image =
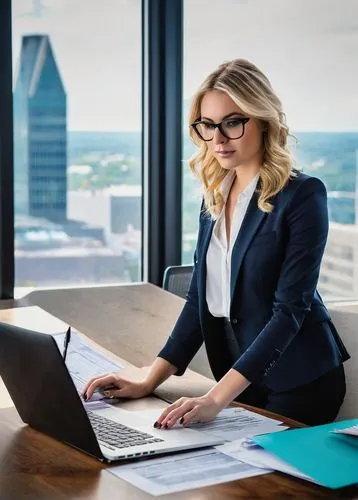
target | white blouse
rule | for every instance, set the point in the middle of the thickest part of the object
(218, 257)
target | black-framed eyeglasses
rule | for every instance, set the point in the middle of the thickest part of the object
(231, 128)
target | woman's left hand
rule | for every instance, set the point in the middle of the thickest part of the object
(187, 410)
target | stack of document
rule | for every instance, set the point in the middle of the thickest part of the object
(348, 431)
(326, 454)
(253, 446)
(235, 423)
(251, 453)
(196, 469)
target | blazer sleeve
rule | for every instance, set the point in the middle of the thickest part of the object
(186, 337)
(307, 218)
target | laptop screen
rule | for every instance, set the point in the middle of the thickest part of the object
(41, 387)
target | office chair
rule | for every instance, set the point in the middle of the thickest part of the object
(176, 279)
(345, 321)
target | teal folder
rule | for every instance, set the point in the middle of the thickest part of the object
(317, 452)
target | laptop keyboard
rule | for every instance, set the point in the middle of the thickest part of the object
(119, 435)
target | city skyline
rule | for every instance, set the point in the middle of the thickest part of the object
(40, 132)
(308, 49)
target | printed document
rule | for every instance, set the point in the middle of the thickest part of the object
(231, 423)
(83, 361)
(235, 423)
(184, 471)
(248, 451)
(348, 431)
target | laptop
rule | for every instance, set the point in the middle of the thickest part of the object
(46, 398)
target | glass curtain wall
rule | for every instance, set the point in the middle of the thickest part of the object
(308, 49)
(77, 141)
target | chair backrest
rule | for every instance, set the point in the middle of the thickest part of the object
(176, 279)
(346, 324)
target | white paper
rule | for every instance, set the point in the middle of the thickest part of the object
(248, 451)
(83, 361)
(184, 471)
(349, 431)
(231, 424)
(235, 423)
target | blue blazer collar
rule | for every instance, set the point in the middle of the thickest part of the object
(209, 222)
(253, 219)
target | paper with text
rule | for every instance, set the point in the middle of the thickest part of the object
(180, 472)
(83, 362)
(231, 423)
(235, 423)
(251, 453)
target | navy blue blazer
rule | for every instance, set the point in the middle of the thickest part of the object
(284, 331)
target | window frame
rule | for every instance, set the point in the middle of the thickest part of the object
(7, 265)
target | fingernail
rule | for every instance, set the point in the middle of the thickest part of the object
(166, 426)
(156, 425)
(181, 421)
(85, 397)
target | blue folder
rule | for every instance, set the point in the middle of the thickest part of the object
(317, 452)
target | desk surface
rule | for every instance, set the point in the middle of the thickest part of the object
(35, 466)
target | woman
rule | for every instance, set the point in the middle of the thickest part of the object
(252, 299)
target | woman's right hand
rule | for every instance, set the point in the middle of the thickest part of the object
(113, 385)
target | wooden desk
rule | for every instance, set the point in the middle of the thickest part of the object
(133, 321)
(35, 466)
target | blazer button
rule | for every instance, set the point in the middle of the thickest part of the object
(234, 321)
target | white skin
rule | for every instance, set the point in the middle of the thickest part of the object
(245, 157)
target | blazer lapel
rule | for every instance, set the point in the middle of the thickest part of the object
(250, 225)
(209, 225)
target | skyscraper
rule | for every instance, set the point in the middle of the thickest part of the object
(40, 137)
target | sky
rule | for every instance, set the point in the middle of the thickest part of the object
(308, 49)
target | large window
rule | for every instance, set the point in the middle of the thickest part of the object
(77, 141)
(308, 48)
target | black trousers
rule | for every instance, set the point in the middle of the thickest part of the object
(315, 403)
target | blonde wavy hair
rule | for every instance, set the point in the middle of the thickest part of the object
(251, 90)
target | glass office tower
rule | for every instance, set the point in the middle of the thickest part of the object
(40, 139)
